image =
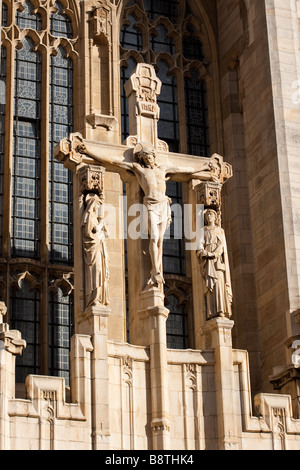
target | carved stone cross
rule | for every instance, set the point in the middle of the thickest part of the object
(148, 158)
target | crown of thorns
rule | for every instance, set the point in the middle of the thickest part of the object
(143, 149)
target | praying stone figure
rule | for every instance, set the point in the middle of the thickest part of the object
(152, 179)
(94, 234)
(213, 259)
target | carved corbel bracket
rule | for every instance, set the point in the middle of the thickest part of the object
(209, 194)
(99, 120)
(62, 282)
(11, 340)
(91, 179)
(32, 279)
(101, 22)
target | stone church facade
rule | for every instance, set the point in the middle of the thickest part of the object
(116, 116)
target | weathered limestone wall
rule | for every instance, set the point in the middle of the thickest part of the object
(283, 32)
(46, 421)
(259, 47)
(232, 41)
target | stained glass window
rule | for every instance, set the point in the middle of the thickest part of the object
(177, 326)
(60, 24)
(160, 42)
(27, 18)
(41, 115)
(61, 328)
(168, 103)
(197, 116)
(25, 240)
(4, 14)
(125, 74)
(131, 36)
(24, 316)
(168, 8)
(192, 47)
(61, 125)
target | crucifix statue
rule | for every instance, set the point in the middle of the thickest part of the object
(152, 179)
(148, 161)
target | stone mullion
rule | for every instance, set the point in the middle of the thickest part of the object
(44, 182)
(44, 201)
(8, 155)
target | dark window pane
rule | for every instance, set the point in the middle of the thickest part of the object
(60, 24)
(4, 14)
(61, 187)
(177, 326)
(196, 116)
(25, 239)
(168, 8)
(28, 19)
(61, 329)
(131, 37)
(160, 42)
(24, 316)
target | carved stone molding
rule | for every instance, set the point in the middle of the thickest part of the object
(158, 425)
(31, 277)
(63, 281)
(101, 22)
(12, 340)
(100, 120)
(146, 86)
(91, 180)
(179, 286)
(209, 194)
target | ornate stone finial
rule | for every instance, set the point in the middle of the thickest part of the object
(142, 90)
(146, 86)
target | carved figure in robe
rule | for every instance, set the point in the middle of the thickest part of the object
(94, 234)
(152, 179)
(213, 258)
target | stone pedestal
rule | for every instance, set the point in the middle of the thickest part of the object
(216, 335)
(11, 345)
(95, 323)
(151, 330)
